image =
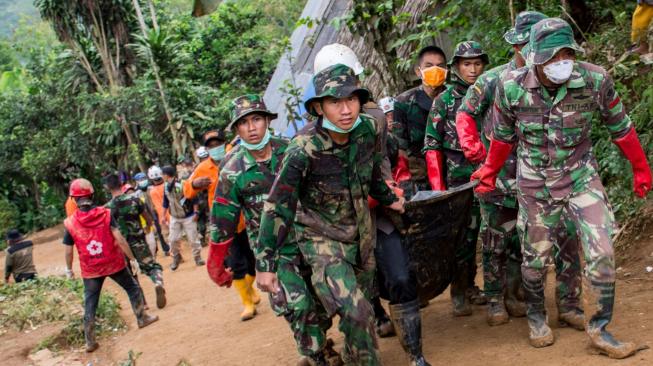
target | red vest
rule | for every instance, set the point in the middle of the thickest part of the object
(99, 255)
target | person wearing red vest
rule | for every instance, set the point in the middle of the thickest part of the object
(101, 250)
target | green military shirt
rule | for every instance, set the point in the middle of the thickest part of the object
(244, 185)
(126, 210)
(410, 116)
(332, 183)
(478, 103)
(554, 151)
(440, 132)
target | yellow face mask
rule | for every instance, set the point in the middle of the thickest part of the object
(434, 76)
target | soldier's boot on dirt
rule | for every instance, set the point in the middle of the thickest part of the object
(199, 261)
(243, 290)
(475, 295)
(459, 299)
(384, 327)
(176, 260)
(89, 335)
(146, 319)
(600, 338)
(159, 290)
(574, 318)
(496, 312)
(513, 293)
(256, 298)
(540, 333)
(408, 323)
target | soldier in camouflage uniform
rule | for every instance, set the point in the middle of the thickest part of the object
(546, 109)
(126, 210)
(330, 167)
(411, 110)
(441, 144)
(245, 180)
(501, 247)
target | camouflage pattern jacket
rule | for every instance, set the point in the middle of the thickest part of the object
(477, 103)
(554, 153)
(410, 116)
(332, 183)
(244, 185)
(126, 211)
(441, 132)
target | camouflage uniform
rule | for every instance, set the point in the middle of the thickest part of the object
(556, 170)
(333, 223)
(501, 247)
(441, 135)
(244, 185)
(126, 211)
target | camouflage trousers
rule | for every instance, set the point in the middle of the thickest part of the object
(588, 209)
(343, 286)
(299, 305)
(146, 261)
(502, 255)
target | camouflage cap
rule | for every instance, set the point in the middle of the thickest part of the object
(337, 81)
(521, 32)
(246, 104)
(469, 49)
(549, 36)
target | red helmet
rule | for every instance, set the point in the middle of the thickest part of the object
(126, 187)
(80, 187)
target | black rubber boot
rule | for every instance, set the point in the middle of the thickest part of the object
(540, 332)
(176, 260)
(458, 290)
(89, 335)
(496, 312)
(513, 294)
(408, 324)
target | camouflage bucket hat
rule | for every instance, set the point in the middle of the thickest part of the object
(337, 81)
(548, 37)
(521, 32)
(469, 49)
(247, 104)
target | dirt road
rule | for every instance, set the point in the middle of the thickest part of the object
(200, 325)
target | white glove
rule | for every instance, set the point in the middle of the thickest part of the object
(69, 274)
(134, 265)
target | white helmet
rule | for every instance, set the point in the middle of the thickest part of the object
(334, 54)
(201, 152)
(387, 104)
(154, 173)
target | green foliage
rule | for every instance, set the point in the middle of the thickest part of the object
(30, 304)
(131, 358)
(9, 217)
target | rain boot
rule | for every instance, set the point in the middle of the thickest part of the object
(256, 299)
(408, 323)
(496, 311)
(243, 290)
(384, 327)
(513, 293)
(600, 338)
(459, 299)
(176, 260)
(146, 319)
(574, 318)
(89, 335)
(540, 332)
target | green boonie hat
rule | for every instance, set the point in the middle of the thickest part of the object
(469, 49)
(246, 104)
(521, 32)
(549, 36)
(337, 81)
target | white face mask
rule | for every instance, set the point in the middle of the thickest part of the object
(559, 72)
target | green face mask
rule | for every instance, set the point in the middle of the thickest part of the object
(332, 127)
(260, 145)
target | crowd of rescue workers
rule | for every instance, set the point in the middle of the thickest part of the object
(308, 220)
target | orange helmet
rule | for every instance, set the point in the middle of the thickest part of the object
(80, 187)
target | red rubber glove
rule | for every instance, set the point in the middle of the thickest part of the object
(434, 170)
(470, 140)
(401, 172)
(215, 263)
(632, 149)
(487, 173)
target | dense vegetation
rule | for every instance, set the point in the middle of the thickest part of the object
(71, 105)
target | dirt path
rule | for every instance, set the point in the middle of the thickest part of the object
(200, 325)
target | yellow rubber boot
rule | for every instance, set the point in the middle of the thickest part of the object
(243, 290)
(256, 299)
